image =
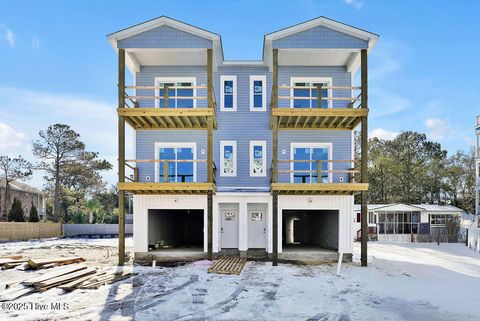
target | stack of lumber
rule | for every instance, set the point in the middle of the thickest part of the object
(47, 263)
(9, 262)
(228, 265)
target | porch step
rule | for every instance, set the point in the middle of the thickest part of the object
(228, 265)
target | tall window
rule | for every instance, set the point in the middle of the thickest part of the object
(305, 165)
(308, 96)
(258, 158)
(258, 96)
(175, 90)
(178, 161)
(228, 94)
(228, 158)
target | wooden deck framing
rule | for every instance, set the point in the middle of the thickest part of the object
(168, 118)
(228, 265)
(318, 118)
(142, 188)
(319, 188)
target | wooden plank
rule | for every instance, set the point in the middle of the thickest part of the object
(11, 257)
(34, 263)
(322, 112)
(364, 157)
(163, 112)
(56, 272)
(47, 284)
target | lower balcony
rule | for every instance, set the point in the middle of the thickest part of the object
(171, 177)
(319, 177)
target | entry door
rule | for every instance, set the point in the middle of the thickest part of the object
(257, 229)
(229, 229)
(297, 231)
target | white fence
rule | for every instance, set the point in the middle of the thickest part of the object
(473, 241)
(70, 230)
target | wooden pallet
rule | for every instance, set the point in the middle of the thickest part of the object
(228, 265)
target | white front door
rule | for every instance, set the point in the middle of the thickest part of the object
(257, 229)
(229, 229)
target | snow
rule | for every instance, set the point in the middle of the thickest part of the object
(408, 281)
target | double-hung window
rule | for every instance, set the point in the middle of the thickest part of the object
(438, 219)
(176, 162)
(258, 95)
(177, 88)
(258, 158)
(228, 93)
(305, 160)
(228, 158)
(307, 94)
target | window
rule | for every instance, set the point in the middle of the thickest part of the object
(307, 155)
(258, 158)
(399, 222)
(177, 168)
(438, 219)
(310, 91)
(359, 217)
(228, 90)
(228, 158)
(175, 90)
(258, 96)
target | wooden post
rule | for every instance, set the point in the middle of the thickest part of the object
(121, 157)
(165, 96)
(319, 171)
(364, 158)
(275, 157)
(319, 96)
(165, 172)
(210, 153)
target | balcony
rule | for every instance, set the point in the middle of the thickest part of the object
(317, 107)
(171, 178)
(178, 111)
(341, 180)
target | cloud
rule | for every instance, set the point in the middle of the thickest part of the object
(438, 128)
(11, 141)
(357, 4)
(387, 102)
(35, 42)
(7, 34)
(381, 133)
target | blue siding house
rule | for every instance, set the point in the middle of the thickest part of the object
(248, 157)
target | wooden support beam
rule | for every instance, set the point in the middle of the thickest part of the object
(121, 157)
(275, 156)
(210, 224)
(364, 157)
(275, 228)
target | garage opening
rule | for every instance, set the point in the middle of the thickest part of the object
(310, 229)
(175, 229)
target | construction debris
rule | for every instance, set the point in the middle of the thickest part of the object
(228, 265)
(55, 262)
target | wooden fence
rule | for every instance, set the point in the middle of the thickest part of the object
(22, 231)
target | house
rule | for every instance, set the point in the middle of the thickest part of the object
(27, 194)
(405, 223)
(477, 167)
(244, 157)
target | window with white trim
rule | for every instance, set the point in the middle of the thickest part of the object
(308, 97)
(258, 158)
(258, 95)
(228, 158)
(228, 93)
(307, 157)
(176, 91)
(176, 161)
(439, 219)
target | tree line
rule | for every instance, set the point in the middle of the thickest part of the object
(413, 170)
(74, 189)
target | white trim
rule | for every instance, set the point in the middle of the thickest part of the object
(224, 78)
(327, 80)
(262, 143)
(159, 145)
(312, 145)
(224, 143)
(263, 79)
(158, 80)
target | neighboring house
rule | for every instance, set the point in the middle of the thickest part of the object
(245, 157)
(405, 223)
(477, 167)
(26, 194)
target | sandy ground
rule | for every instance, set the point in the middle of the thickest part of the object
(402, 282)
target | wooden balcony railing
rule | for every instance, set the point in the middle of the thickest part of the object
(313, 179)
(165, 116)
(343, 111)
(168, 183)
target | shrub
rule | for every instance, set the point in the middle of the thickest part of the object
(16, 211)
(33, 214)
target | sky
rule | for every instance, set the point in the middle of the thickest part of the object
(56, 65)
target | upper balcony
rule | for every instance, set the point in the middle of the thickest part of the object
(309, 105)
(177, 106)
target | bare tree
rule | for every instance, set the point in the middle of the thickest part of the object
(12, 169)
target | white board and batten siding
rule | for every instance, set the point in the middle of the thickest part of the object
(342, 204)
(143, 203)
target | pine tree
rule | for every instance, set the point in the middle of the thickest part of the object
(16, 211)
(33, 214)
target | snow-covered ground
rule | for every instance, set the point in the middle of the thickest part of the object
(402, 282)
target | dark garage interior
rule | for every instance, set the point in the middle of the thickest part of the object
(310, 229)
(175, 229)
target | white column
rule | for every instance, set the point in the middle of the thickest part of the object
(242, 226)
